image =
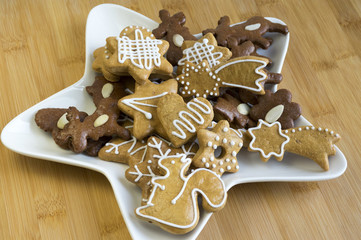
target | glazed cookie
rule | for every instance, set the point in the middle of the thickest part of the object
(136, 51)
(205, 48)
(228, 142)
(173, 204)
(142, 107)
(141, 172)
(315, 143)
(173, 30)
(202, 80)
(276, 106)
(181, 121)
(103, 122)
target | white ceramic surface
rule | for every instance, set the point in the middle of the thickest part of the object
(22, 135)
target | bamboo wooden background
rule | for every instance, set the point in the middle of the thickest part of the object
(42, 52)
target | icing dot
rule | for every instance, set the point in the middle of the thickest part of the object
(200, 66)
(337, 135)
(216, 84)
(286, 131)
(187, 74)
(227, 160)
(313, 128)
(204, 160)
(183, 92)
(204, 95)
(224, 140)
(187, 83)
(177, 79)
(217, 138)
(300, 129)
(172, 162)
(225, 129)
(106, 56)
(240, 144)
(182, 82)
(234, 153)
(319, 129)
(182, 77)
(307, 128)
(234, 160)
(209, 144)
(293, 130)
(106, 51)
(221, 170)
(220, 163)
(187, 65)
(185, 88)
(326, 130)
(331, 132)
(203, 64)
(210, 74)
(237, 167)
(213, 165)
(232, 143)
(207, 70)
(211, 158)
(214, 77)
(149, 161)
(215, 146)
(192, 67)
(196, 70)
(151, 35)
(207, 91)
(207, 165)
(211, 93)
(214, 89)
(197, 95)
(193, 91)
(215, 94)
(228, 167)
(218, 79)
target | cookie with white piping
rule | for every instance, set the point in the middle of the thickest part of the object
(181, 120)
(315, 143)
(204, 81)
(173, 204)
(173, 30)
(218, 148)
(142, 107)
(205, 48)
(136, 52)
(142, 170)
(276, 106)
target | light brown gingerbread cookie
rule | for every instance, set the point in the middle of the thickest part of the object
(181, 120)
(172, 204)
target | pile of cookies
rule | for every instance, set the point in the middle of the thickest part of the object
(177, 110)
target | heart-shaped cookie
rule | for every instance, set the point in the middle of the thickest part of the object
(180, 120)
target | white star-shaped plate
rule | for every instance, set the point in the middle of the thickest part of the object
(23, 136)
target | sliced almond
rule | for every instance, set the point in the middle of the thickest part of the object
(243, 108)
(178, 40)
(274, 114)
(107, 90)
(62, 121)
(252, 27)
(102, 119)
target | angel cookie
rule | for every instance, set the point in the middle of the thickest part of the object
(136, 52)
(173, 204)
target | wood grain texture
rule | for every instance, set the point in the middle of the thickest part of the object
(42, 52)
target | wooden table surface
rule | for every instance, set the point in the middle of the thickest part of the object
(42, 52)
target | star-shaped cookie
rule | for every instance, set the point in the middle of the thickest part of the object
(137, 52)
(218, 148)
(142, 107)
(205, 48)
(268, 140)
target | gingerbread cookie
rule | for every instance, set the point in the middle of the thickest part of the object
(276, 106)
(244, 72)
(98, 64)
(142, 107)
(103, 122)
(205, 48)
(136, 51)
(173, 30)
(173, 204)
(223, 138)
(181, 121)
(141, 172)
(311, 142)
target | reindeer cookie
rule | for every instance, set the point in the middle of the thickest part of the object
(308, 141)
(172, 204)
(221, 137)
(173, 30)
(181, 120)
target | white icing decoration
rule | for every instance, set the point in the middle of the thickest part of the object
(115, 147)
(252, 27)
(107, 90)
(142, 52)
(261, 122)
(199, 52)
(131, 102)
(258, 82)
(197, 117)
